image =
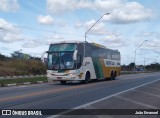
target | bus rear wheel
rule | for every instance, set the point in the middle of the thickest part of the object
(63, 82)
(113, 76)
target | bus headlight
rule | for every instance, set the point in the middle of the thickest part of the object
(48, 74)
(71, 74)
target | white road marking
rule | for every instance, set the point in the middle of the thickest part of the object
(98, 116)
(152, 88)
(136, 102)
(147, 93)
(21, 86)
(102, 99)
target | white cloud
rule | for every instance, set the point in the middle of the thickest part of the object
(9, 5)
(84, 4)
(53, 38)
(114, 40)
(60, 6)
(108, 5)
(99, 28)
(145, 34)
(32, 43)
(152, 45)
(130, 12)
(9, 33)
(122, 12)
(45, 20)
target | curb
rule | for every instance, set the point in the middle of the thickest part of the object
(8, 85)
(26, 83)
(39, 82)
(24, 76)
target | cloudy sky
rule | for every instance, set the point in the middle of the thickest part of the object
(31, 25)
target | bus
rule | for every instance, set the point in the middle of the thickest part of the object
(81, 61)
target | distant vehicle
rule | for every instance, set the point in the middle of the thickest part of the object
(81, 61)
(140, 68)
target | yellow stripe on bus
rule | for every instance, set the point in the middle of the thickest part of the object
(107, 70)
(103, 68)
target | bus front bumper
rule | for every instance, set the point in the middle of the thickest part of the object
(64, 78)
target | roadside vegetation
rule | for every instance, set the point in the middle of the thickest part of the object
(147, 68)
(16, 67)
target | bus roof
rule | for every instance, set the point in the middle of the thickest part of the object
(98, 45)
(69, 41)
(75, 41)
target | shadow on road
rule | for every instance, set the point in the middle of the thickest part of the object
(73, 83)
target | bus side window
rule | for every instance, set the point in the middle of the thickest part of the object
(81, 49)
(78, 61)
(88, 50)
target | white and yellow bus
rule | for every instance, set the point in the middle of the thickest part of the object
(81, 61)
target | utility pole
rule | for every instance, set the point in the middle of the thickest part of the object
(135, 54)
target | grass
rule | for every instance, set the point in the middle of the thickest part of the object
(22, 80)
(21, 67)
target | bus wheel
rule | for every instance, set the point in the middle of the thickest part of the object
(87, 78)
(63, 82)
(115, 74)
(112, 76)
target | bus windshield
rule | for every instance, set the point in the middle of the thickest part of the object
(60, 56)
(61, 60)
(63, 47)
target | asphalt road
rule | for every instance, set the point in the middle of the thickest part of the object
(136, 91)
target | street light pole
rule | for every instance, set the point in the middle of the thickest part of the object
(155, 62)
(94, 25)
(135, 54)
(144, 65)
(91, 28)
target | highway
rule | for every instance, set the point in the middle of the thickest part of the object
(134, 91)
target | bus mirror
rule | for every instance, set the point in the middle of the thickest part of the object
(75, 55)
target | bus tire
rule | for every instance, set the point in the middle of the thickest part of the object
(63, 82)
(115, 74)
(87, 78)
(112, 76)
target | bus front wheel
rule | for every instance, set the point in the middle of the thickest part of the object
(63, 82)
(87, 78)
